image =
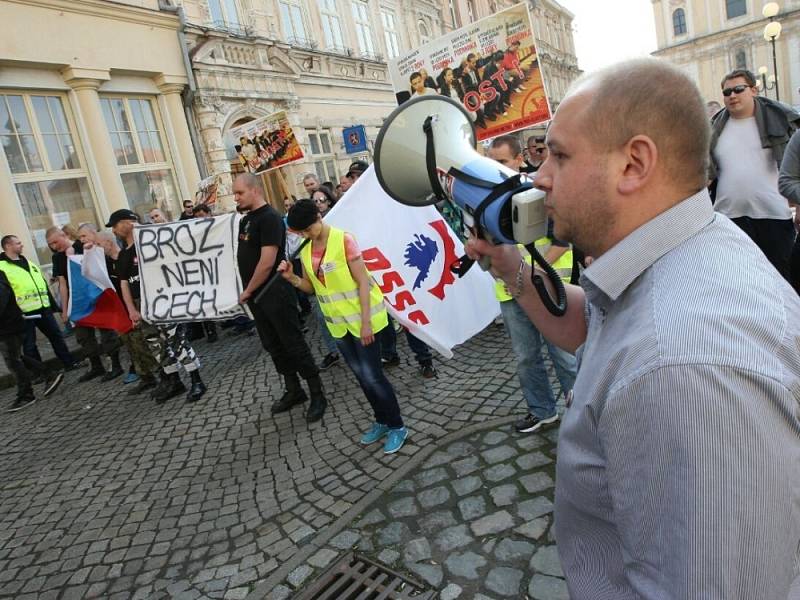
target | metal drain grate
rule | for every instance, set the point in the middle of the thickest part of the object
(355, 577)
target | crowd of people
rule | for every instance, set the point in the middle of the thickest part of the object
(678, 354)
(483, 84)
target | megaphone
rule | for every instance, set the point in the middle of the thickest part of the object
(425, 153)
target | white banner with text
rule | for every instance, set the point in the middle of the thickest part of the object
(188, 270)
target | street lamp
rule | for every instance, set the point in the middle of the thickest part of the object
(766, 83)
(772, 31)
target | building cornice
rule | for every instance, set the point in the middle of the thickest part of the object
(107, 9)
(724, 33)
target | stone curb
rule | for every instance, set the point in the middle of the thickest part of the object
(262, 589)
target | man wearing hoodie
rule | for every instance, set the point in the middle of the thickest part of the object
(12, 331)
(748, 140)
(33, 298)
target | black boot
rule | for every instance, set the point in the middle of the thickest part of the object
(318, 401)
(171, 385)
(116, 367)
(198, 387)
(293, 395)
(96, 370)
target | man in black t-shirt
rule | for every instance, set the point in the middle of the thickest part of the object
(167, 343)
(262, 239)
(60, 244)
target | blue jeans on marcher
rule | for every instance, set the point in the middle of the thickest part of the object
(365, 362)
(527, 342)
(330, 343)
(388, 342)
(50, 328)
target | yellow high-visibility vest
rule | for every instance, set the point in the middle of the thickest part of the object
(563, 266)
(29, 287)
(338, 296)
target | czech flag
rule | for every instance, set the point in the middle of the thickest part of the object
(93, 301)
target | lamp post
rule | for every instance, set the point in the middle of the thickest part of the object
(772, 31)
(766, 83)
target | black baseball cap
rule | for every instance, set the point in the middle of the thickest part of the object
(123, 214)
(358, 166)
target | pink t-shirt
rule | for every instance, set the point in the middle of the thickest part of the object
(351, 251)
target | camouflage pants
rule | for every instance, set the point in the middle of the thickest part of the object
(146, 365)
(170, 347)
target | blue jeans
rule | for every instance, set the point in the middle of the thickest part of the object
(365, 362)
(388, 342)
(51, 330)
(330, 343)
(527, 343)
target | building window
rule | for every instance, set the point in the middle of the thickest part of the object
(47, 170)
(424, 33)
(224, 14)
(331, 25)
(391, 37)
(741, 59)
(143, 163)
(736, 8)
(471, 10)
(322, 158)
(679, 21)
(293, 25)
(363, 28)
(452, 6)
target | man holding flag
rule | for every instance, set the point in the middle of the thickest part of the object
(58, 241)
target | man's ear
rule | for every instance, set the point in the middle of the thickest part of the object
(640, 158)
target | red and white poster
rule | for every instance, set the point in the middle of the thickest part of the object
(490, 66)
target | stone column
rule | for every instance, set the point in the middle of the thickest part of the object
(174, 118)
(85, 83)
(208, 109)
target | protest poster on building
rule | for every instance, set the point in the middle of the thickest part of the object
(408, 251)
(188, 270)
(266, 143)
(491, 67)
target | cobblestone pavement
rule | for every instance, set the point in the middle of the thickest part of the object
(110, 496)
(473, 521)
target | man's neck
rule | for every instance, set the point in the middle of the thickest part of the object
(129, 240)
(261, 204)
(12, 255)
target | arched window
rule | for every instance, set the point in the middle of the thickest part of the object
(424, 34)
(741, 59)
(679, 21)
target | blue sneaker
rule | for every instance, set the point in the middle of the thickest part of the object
(374, 434)
(395, 440)
(131, 378)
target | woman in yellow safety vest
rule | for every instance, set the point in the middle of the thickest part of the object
(352, 305)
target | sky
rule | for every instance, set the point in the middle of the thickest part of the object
(612, 30)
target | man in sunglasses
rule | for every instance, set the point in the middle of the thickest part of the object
(537, 153)
(748, 140)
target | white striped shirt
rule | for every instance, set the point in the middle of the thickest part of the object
(679, 460)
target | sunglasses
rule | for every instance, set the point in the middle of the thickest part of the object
(321, 200)
(737, 89)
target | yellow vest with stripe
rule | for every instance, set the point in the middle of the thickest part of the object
(29, 287)
(563, 266)
(338, 296)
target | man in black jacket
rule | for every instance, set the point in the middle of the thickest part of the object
(12, 332)
(748, 140)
